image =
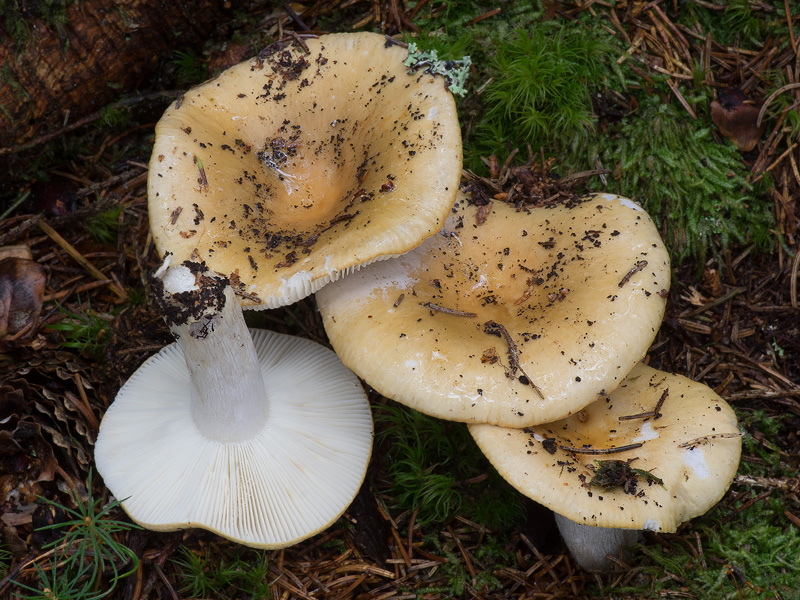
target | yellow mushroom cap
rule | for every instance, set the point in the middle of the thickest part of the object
(693, 448)
(574, 292)
(304, 163)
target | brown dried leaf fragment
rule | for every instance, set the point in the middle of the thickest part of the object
(22, 284)
(490, 356)
(483, 213)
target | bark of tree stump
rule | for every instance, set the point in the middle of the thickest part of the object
(106, 47)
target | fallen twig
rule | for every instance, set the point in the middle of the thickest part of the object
(447, 311)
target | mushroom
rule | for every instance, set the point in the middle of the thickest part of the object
(265, 183)
(506, 317)
(264, 440)
(658, 451)
(314, 158)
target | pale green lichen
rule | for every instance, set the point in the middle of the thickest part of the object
(455, 72)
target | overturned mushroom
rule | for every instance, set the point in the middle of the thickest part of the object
(523, 319)
(316, 157)
(264, 439)
(660, 450)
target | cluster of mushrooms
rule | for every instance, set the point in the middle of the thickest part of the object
(330, 166)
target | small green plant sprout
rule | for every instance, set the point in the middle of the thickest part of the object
(421, 448)
(436, 470)
(86, 562)
(455, 72)
(86, 331)
(5, 561)
(103, 226)
(242, 575)
(189, 69)
(114, 115)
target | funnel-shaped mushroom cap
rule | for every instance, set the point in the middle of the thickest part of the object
(565, 298)
(680, 463)
(285, 484)
(302, 164)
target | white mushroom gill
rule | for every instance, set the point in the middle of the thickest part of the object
(260, 437)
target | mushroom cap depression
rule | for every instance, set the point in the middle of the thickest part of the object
(565, 298)
(287, 483)
(304, 163)
(682, 463)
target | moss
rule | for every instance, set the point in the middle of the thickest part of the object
(240, 573)
(538, 89)
(104, 226)
(747, 557)
(542, 84)
(17, 17)
(745, 23)
(114, 115)
(430, 462)
(189, 69)
(695, 188)
(537, 82)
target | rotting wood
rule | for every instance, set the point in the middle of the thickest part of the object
(106, 47)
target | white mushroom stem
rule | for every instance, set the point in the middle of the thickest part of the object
(590, 546)
(229, 400)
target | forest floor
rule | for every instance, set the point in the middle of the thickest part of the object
(732, 322)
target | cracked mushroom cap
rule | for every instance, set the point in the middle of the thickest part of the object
(505, 317)
(684, 448)
(287, 483)
(304, 163)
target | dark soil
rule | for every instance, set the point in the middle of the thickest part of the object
(733, 326)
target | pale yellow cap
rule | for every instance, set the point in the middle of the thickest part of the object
(579, 288)
(693, 448)
(293, 168)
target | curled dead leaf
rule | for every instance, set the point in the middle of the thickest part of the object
(22, 284)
